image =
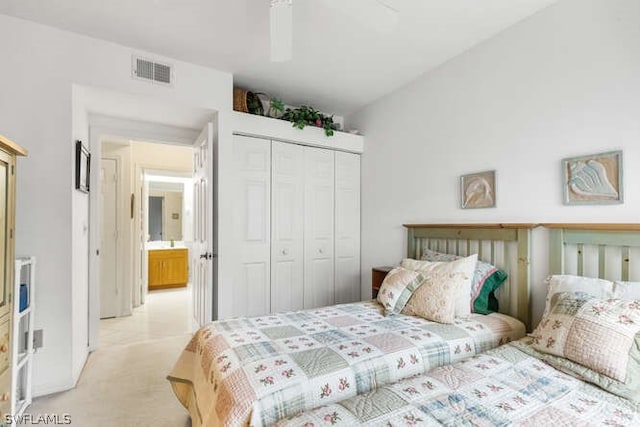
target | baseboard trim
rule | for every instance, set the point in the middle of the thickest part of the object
(77, 370)
(67, 384)
(51, 388)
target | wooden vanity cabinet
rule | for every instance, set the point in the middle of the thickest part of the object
(168, 268)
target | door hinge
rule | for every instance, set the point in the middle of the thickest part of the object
(13, 170)
(11, 233)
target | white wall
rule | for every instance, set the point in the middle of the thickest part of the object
(40, 65)
(564, 82)
(80, 251)
(163, 156)
(187, 213)
(173, 204)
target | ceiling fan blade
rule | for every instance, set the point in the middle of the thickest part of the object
(281, 22)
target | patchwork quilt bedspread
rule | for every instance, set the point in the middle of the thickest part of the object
(505, 386)
(256, 371)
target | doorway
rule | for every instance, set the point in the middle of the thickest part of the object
(135, 229)
(129, 272)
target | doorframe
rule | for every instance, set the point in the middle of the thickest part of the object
(104, 127)
(139, 170)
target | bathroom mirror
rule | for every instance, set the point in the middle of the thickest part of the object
(165, 211)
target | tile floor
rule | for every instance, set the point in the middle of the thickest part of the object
(123, 383)
(165, 313)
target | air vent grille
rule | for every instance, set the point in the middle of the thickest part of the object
(146, 69)
(162, 73)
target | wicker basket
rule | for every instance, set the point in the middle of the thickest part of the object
(240, 100)
(247, 102)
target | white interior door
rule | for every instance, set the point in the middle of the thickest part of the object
(202, 255)
(144, 232)
(287, 243)
(347, 226)
(252, 214)
(109, 268)
(318, 227)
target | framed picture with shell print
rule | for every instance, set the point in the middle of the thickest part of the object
(478, 190)
(595, 179)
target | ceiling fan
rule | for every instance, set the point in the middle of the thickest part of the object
(281, 23)
(381, 14)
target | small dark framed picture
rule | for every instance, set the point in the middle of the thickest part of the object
(83, 167)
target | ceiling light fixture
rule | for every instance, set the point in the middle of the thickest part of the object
(281, 22)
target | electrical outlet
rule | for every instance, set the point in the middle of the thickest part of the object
(38, 339)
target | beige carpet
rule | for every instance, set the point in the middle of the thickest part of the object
(123, 386)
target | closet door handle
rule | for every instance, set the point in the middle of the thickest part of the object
(285, 252)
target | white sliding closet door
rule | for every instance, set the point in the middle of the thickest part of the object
(318, 227)
(287, 239)
(347, 228)
(251, 287)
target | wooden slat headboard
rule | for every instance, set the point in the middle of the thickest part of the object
(606, 251)
(507, 246)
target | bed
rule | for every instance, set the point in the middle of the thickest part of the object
(518, 383)
(256, 371)
(505, 386)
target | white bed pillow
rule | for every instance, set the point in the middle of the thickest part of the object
(627, 290)
(598, 288)
(465, 266)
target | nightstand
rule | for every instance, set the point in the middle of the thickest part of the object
(377, 277)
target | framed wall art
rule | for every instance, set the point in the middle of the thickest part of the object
(83, 167)
(478, 190)
(595, 179)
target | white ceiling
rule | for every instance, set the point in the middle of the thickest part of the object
(346, 53)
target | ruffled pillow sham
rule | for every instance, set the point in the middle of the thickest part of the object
(487, 278)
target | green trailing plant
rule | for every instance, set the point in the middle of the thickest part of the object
(308, 116)
(276, 107)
